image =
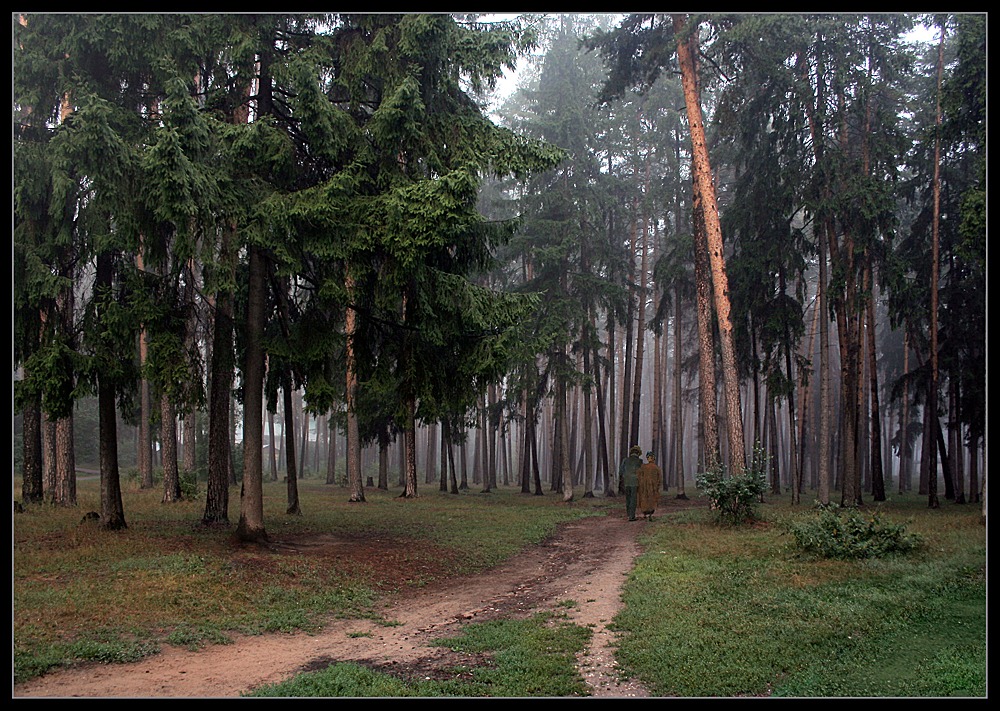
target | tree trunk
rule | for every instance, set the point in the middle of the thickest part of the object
(932, 395)
(640, 336)
(878, 481)
(291, 461)
(250, 528)
(112, 509)
(823, 468)
(168, 437)
(611, 485)
(905, 453)
(706, 342)
(354, 484)
(626, 441)
(954, 448)
(32, 491)
(678, 414)
(702, 171)
(64, 493)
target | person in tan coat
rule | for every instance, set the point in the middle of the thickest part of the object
(649, 486)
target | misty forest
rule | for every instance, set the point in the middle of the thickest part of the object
(469, 251)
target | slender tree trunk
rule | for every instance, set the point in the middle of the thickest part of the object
(168, 437)
(878, 482)
(291, 461)
(640, 339)
(626, 441)
(932, 395)
(112, 509)
(954, 435)
(250, 528)
(331, 454)
(824, 380)
(706, 343)
(565, 472)
(611, 485)
(32, 487)
(64, 492)
(144, 454)
(357, 493)
(410, 423)
(687, 53)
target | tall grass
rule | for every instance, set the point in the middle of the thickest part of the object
(710, 610)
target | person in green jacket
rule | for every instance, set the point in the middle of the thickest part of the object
(627, 470)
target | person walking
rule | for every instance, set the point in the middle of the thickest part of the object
(649, 478)
(628, 472)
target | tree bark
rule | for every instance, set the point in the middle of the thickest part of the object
(640, 337)
(702, 173)
(112, 510)
(354, 484)
(251, 528)
(291, 462)
(932, 395)
(168, 438)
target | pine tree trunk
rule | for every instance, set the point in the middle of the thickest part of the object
(678, 414)
(932, 396)
(250, 528)
(168, 437)
(625, 441)
(32, 491)
(112, 509)
(878, 480)
(291, 461)
(64, 493)
(354, 483)
(640, 337)
(702, 171)
(706, 343)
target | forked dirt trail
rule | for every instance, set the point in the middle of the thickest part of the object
(585, 562)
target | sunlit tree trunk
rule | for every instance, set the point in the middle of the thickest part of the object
(706, 343)
(687, 49)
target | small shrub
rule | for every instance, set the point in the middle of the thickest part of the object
(849, 534)
(734, 498)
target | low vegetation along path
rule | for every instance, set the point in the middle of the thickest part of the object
(585, 562)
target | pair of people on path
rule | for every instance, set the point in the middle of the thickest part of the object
(641, 482)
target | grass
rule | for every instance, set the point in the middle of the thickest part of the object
(530, 657)
(710, 610)
(721, 611)
(80, 593)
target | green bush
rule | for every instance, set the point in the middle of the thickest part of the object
(734, 498)
(850, 534)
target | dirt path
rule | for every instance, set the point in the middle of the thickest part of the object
(567, 567)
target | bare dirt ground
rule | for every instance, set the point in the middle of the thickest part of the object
(585, 562)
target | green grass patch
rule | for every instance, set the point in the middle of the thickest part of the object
(511, 658)
(716, 610)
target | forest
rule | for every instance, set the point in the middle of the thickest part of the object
(254, 246)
